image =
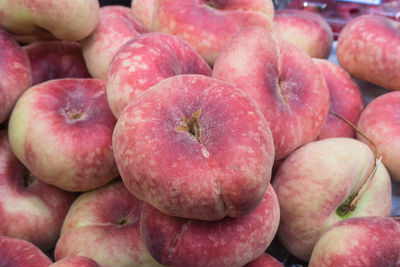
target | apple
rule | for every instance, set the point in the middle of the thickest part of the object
(21, 253)
(56, 59)
(29, 209)
(325, 182)
(195, 147)
(283, 80)
(145, 61)
(365, 241)
(229, 242)
(265, 260)
(76, 261)
(65, 19)
(143, 11)
(346, 100)
(368, 50)
(15, 73)
(61, 131)
(379, 123)
(307, 30)
(116, 26)
(103, 224)
(208, 25)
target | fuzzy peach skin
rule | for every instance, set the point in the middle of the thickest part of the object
(20, 253)
(145, 61)
(76, 261)
(29, 209)
(307, 30)
(346, 100)
(116, 26)
(315, 180)
(367, 241)
(287, 86)
(61, 131)
(15, 73)
(195, 147)
(265, 260)
(379, 122)
(65, 19)
(368, 48)
(143, 11)
(208, 25)
(229, 242)
(103, 224)
(56, 59)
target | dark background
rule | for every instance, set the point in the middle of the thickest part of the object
(115, 2)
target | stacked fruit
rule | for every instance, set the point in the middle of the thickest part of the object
(191, 133)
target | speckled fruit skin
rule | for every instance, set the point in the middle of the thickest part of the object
(316, 179)
(143, 11)
(56, 59)
(65, 19)
(307, 30)
(368, 48)
(265, 260)
(287, 86)
(367, 241)
(145, 61)
(61, 130)
(232, 242)
(76, 261)
(15, 73)
(380, 122)
(208, 25)
(116, 26)
(20, 253)
(29, 210)
(345, 99)
(223, 172)
(104, 224)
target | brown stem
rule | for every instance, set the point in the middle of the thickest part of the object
(191, 126)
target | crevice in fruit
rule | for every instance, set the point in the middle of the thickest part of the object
(212, 4)
(28, 179)
(175, 241)
(123, 221)
(74, 114)
(191, 126)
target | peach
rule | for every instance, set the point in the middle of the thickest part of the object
(65, 19)
(195, 147)
(56, 59)
(379, 122)
(103, 224)
(20, 253)
(307, 30)
(61, 131)
(145, 61)
(15, 73)
(346, 100)
(230, 242)
(116, 26)
(143, 11)
(368, 48)
(367, 241)
(29, 209)
(265, 260)
(76, 261)
(325, 182)
(284, 81)
(208, 25)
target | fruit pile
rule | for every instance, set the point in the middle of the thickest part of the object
(195, 133)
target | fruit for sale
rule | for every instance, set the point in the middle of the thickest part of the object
(56, 59)
(265, 260)
(284, 81)
(325, 182)
(145, 61)
(116, 27)
(195, 147)
(76, 261)
(229, 242)
(61, 131)
(143, 11)
(368, 48)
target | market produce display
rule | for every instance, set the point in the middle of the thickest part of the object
(196, 133)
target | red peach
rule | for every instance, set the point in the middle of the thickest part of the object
(265, 260)
(229, 242)
(287, 86)
(146, 60)
(195, 147)
(56, 59)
